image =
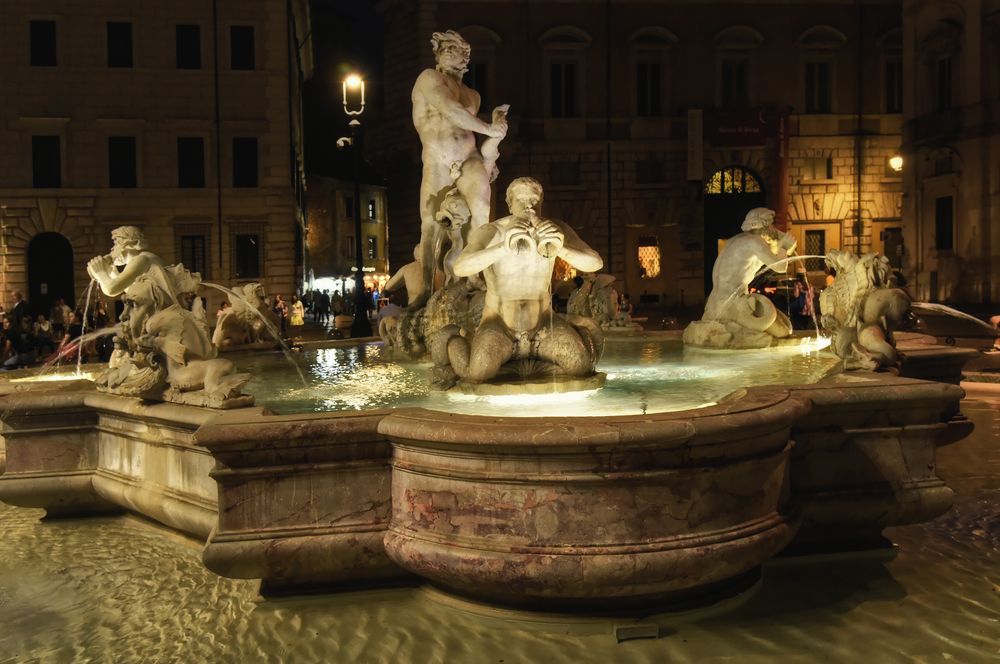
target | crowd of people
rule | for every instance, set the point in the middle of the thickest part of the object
(53, 337)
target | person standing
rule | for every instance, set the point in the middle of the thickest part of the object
(297, 317)
(280, 310)
(17, 311)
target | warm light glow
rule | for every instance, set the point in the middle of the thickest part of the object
(813, 344)
(896, 162)
(51, 377)
(354, 103)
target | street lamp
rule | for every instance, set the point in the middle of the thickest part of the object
(896, 162)
(354, 106)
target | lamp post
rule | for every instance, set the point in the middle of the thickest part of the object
(354, 106)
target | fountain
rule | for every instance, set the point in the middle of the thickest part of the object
(574, 507)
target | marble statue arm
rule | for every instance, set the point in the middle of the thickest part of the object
(481, 251)
(115, 285)
(434, 89)
(577, 253)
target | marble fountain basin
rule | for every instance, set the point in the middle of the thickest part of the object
(560, 510)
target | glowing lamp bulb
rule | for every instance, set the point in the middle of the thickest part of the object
(353, 81)
(896, 162)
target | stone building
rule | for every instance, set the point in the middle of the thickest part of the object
(654, 126)
(330, 232)
(952, 148)
(181, 118)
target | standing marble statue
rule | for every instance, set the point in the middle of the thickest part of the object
(516, 255)
(734, 318)
(164, 350)
(445, 115)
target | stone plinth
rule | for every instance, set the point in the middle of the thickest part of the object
(864, 458)
(303, 499)
(583, 511)
(82, 453)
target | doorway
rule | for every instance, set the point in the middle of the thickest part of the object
(50, 272)
(730, 193)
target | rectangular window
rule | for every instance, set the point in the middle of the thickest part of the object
(734, 92)
(944, 223)
(194, 253)
(348, 207)
(372, 248)
(371, 210)
(818, 94)
(648, 255)
(815, 246)
(46, 163)
(648, 92)
(476, 78)
(190, 162)
(894, 86)
(121, 162)
(349, 247)
(244, 162)
(43, 43)
(247, 255)
(817, 168)
(943, 84)
(242, 55)
(562, 92)
(188, 39)
(119, 44)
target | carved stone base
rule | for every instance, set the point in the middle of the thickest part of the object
(725, 336)
(539, 385)
(205, 400)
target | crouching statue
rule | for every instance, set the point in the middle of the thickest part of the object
(861, 310)
(519, 333)
(163, 350)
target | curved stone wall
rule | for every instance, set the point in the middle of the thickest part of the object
(577, 510)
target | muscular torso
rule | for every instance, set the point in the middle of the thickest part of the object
(443, 142)
(517, 288)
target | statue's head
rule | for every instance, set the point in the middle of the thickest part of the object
(522, 194)
(757, 219)
(451, 52)
(454, 211)
(127, 240)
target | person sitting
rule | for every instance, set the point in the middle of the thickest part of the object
(44, 336)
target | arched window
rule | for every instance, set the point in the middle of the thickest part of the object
(733, 180)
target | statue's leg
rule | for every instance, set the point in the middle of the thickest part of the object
(474, 185)
(565, 346)
(435, 180)
(491, 346)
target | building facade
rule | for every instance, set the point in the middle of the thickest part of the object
(654, 126)
(952, 148)
(330, 233)
(180, 118)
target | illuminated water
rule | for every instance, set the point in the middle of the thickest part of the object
(644, 375)
(121, 590)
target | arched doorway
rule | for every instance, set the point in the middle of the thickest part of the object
(50, 272)
(730, 193)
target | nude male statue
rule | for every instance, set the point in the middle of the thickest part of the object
(746, 315)
(445, 117)
(516, 255)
